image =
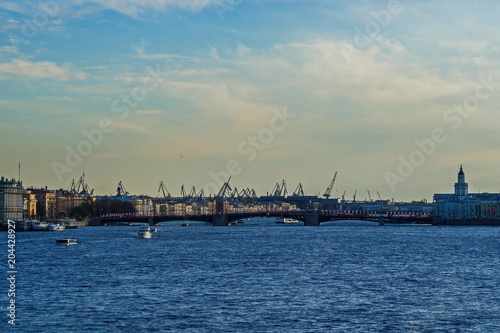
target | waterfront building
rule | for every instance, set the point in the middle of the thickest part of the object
(464, 205)
(11, 199)
(67, 201)
(46, 204)
(29, 205)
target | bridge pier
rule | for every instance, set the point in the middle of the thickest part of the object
(311, 218)
(220, 220)
(96, 221)
(437, 220)
(151, 221)
(381, 221)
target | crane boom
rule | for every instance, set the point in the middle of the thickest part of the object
(224, 189)
(164, 190)
(328, 191)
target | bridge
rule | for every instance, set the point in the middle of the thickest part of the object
(310, 218)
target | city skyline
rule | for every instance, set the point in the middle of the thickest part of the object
(392, 95)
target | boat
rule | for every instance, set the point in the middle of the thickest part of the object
(144, 232)
(67, 241)
(39, 226)
(241, 221)
(185, 225)
(55, 227)
(285, 220)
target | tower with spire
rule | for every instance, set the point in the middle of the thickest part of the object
(461, 187)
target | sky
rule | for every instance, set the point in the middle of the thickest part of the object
(392, 95)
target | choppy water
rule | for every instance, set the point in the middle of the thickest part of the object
(260, 278)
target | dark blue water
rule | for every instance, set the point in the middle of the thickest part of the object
(260, 278)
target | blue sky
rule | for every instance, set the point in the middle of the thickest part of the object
(364, 81)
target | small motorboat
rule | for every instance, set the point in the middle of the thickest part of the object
(185, 225)
(67, 241)
(55, 227)
(144, 232)
(285, 220)
(39, 226)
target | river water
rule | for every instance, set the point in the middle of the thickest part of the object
(259, 277)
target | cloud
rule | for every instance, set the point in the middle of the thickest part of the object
(38, 70)
(136, 8)
(14, 7)
(141, 53)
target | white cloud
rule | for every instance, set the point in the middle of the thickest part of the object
(135, 8)
(141, 53)
(14, 7)
(38, 70)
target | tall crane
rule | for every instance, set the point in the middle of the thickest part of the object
(379, 196)
(80, 187)
(299, 191)
(226, 188)
(354, 197)
(121, 191)
(279, 189)
(164, 190)
(192, 194)
(328, 191)
(369, 196)
(200, 194)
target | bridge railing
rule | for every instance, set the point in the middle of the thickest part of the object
(375, 214)
(334, 213)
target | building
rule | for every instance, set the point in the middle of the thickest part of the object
(29, 205)
(11, 200)
(46, 204)
(67, 201)
(464, 205)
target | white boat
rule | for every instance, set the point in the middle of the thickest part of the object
(39, 226)
(144, 232)
(283, 220)
(55, 227)
(67, 241)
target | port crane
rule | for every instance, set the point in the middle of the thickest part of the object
(369, 196)
(80, 187)
(328, 191)
(379, 196)
(200, 194)
(192, 194)
(279, 190)
(164, 190)
(121, 191)
(299, 191)
(354, 196)
(226, 188)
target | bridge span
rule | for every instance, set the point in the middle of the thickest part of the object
(310, 218)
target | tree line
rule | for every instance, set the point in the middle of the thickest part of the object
(97, 208)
